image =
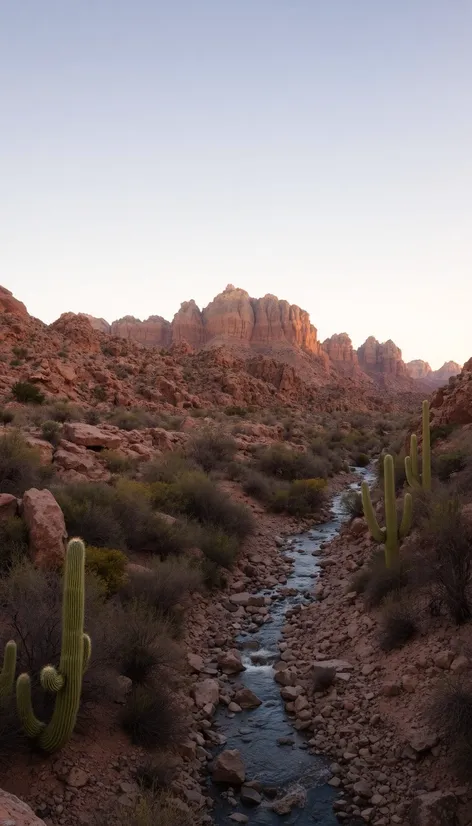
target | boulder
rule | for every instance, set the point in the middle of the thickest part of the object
(206, 692)
(229, 768)
(434, 809)
(247, 699)
(195, 662)
(47, 530)
(230, 662)
(13, 812)
(90, 436)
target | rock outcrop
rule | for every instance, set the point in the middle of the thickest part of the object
(452, 404)
(340, 350)
(420, 370)
(188, 326)
(10, 304)
(385, 358)
(13, 812)
(46, 527)
(154, 332)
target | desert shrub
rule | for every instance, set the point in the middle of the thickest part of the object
(217, 546)
(441, 431)
(381, 581)
(236, 410)
(92, 416)
(195, 495)
(319, 447)
(397, 625)
(156, 773)
(108, 565)
(399, 470)
(445, 542)
(450, 713)
(27, 393)
(132, 419)
(164, 585)
(6, 416)
(237, 471)
(259, 485)
(168, 469)
(20, 465)
(283, 463)
(162, 809)
(117, 462)
(446, 464)
(304, 497)
(13, 541)
(51, 431)
(147, 650)
(360, 459)
(31, 614)
(64, 411)
(213, 575)
(89, 511)
(351, 504)
(211, 449)
(152, 717)
(322, 678)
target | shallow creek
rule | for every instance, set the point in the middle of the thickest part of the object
(256, 733)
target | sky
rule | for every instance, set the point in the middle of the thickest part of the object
(320, 150)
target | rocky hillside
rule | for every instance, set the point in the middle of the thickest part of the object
(421, 371)
(452, 404)
(257, 353)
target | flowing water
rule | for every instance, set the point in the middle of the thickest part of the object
(256, 733)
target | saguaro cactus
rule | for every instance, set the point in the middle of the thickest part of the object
(411, 462)
(391, 534)
(7, 674)
(66, 681)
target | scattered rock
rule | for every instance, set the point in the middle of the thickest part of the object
(230, 662)
(47, 529)
(434, 809)
(206, 692)
(246, 698)
(229, 768)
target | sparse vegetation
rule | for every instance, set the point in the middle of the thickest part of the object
(20, 465)
(51, 431)
(212, 449)
(108, 565)
(27, 393)
(451, 716)
(352, 504)
(152, 717)
(398, 624)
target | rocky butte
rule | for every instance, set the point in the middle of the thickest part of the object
(421, 371)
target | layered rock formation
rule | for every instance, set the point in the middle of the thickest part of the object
(420, 370)
(384, 358)
(154, 332)
(452, 404)
(9, 304)
(340, 350)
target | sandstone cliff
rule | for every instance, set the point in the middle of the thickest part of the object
(381, 358)
(340, 350)
(420, 370)
(452, 404)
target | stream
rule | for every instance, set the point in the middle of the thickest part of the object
(256, 733)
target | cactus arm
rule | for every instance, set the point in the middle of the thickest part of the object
(407, 518)
(32, 726)
(51, 680)
(87, 652)
(7, 674)
(413, 483)
(426, 448)
(391, 544)
(369, 514)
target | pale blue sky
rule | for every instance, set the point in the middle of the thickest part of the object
(321, 150)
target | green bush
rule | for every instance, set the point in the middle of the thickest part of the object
(132, 419)
(167, 469)
(304, 497)
(20, 465)
(164, 585)
(217, 546)
(202, 500)
(259, 485)
(64, 411)
(441, 431)
(446, 464)
(283, 463)
(212, 449)
(361, 460)
(351, 504)
(117, 462)
(51, 431)
(27, 393)
(108, 565)
(13, 541)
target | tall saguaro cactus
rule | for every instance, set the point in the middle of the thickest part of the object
(66, 681)
(7, 674)
(411, 462)
(391, 534)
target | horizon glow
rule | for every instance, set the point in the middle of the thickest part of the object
(154, 152)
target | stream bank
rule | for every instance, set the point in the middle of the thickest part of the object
(278, 758)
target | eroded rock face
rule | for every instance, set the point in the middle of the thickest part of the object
(16, 813)
(10, 304)
(47, 530)
(155, 331)
(339, 349)
(385, 358)
(418, 369)
(188, 326)
(229, 316)
(88, 435)
(453, 404)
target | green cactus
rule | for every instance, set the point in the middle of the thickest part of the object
(7, 674)
(66, 681)
(411, 462)
(391, 534)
